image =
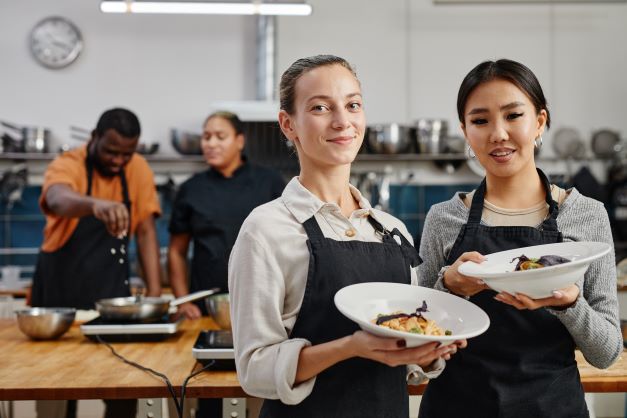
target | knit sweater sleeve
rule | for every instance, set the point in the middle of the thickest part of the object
(593, 321)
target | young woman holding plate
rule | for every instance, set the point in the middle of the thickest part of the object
(524, 365)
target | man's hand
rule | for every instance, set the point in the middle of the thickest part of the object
(114, 215)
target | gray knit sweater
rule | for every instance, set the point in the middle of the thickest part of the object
(593, 320)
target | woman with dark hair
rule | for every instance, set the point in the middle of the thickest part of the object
(292, 346)
(210, 207)
(524, 365)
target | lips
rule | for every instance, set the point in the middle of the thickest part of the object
(342, 140)
(502, 155)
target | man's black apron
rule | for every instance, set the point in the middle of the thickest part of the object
(524, 365)
(91, 265)
(355, 387)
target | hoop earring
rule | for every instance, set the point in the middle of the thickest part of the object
(469, 152)
(536, 143)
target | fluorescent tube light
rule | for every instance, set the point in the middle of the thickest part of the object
(292, 9)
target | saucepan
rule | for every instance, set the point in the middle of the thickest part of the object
(143, 308)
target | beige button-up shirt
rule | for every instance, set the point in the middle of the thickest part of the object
(267, 277)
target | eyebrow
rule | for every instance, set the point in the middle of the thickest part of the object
(324, 97)
(504, 107)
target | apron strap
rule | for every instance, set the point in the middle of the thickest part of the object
(313, 229)
(549, 223)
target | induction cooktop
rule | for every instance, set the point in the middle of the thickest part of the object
(129, 332)
(216, 347)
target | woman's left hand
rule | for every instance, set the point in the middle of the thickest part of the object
(562, 298)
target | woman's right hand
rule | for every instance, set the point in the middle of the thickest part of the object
(464, 285)
(189, 310)
(393, 352)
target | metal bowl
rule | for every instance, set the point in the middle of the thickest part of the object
(218, 308)
(147, 148)
(186, 143)
(390, 138)
(45, 323)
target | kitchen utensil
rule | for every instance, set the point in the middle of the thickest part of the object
(34, 139)
(391, 138)
(606, 143)
(147, 149)
(143, 309)
(219, 309)
(498, 271)
(186, 143)
(363, 302)
(567, 143)
(430, 134)
(45, 323)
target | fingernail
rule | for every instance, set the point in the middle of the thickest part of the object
(480, 281)
(401, 343)
(557, 294)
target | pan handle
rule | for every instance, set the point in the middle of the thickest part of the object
(193, 296)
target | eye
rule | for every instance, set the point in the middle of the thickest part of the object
(354, 106)
(513, 116)
(479, 121)
(319, 108)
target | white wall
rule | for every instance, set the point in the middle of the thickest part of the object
(410, 55)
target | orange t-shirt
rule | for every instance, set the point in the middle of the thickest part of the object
(69, 168)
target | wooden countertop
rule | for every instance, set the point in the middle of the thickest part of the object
(73, 367)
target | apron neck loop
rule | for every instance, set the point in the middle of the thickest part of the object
(549, 224)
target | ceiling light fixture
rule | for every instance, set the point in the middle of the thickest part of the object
(191, 7)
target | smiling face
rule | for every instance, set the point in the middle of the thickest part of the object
(327, 124)
(112, 152)
(500, 125)
(221, 145)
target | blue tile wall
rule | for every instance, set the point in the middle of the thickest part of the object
(410, 203)
(21, 226)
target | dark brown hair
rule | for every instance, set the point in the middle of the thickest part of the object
(289, 78)
(504, 69)
(123, 121)
(230, 117)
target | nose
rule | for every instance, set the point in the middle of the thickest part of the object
(341, 119)
(498, 133)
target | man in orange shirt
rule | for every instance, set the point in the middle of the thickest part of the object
(94, 198)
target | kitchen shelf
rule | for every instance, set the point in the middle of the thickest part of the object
(23, 156)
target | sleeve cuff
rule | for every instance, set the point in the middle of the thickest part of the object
(417, 375)
(285, 372)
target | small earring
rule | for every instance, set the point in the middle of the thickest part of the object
(536, 143)
(469, 152)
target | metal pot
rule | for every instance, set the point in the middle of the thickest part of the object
(430, 134)
(143, 309)
(186, 143)
(391, 138)
(29, 138)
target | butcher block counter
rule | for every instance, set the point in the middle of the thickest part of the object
(73, 367)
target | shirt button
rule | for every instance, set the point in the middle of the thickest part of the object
(350, 233)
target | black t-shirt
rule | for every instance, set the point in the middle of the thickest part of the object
(211, 208)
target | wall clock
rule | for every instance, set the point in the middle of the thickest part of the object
(55, 42)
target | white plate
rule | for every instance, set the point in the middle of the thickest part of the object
(364, 301)
(498, 270)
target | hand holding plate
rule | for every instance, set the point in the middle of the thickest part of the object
(562, 298)
(464, 285)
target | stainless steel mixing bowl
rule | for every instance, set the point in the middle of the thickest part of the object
(219, 310)
(45, 323)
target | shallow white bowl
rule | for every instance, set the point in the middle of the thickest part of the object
(364, 301)
(498, 270)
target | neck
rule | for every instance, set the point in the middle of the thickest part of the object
(330, 185)
(522, 190)
(228, 170)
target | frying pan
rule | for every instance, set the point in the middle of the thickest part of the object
(143, 309)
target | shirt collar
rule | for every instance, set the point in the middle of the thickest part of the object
(238, 171)
(303, 204)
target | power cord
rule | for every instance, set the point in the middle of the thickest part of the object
(177, 403)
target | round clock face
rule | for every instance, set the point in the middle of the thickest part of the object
(55, 42)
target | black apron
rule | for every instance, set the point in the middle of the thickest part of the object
(355, 387)
(524, 365)
(91, 265)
